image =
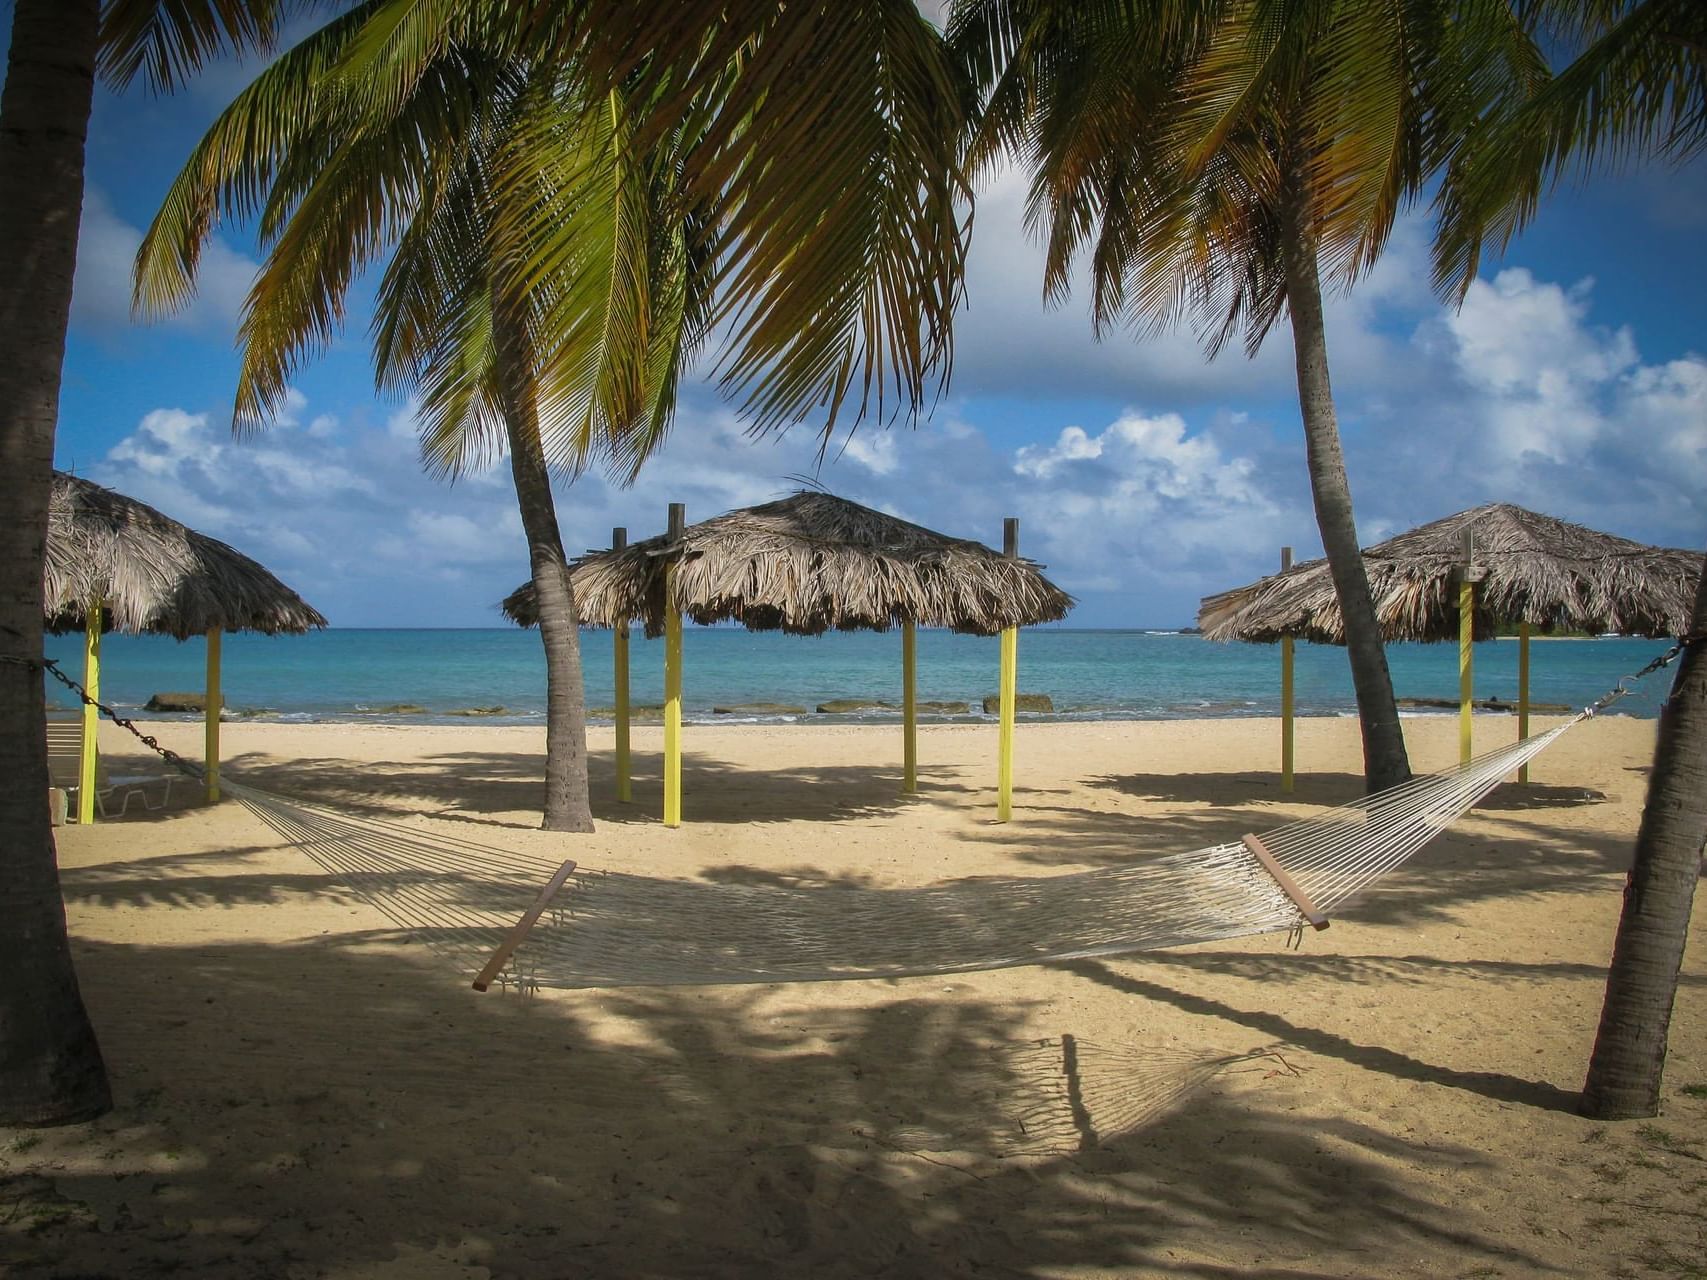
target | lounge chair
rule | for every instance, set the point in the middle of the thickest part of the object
(64, 764)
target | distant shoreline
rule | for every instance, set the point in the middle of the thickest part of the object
(456, 676)
(454, 719)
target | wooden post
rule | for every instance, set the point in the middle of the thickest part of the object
(210, 713)
(91, 717)
(1466, 637)
(619, 653)
(673, 679)
(1288, 886)
(1286, 710)
(1523, 693)
(519, 931)
(1008, 691)
(909, 710)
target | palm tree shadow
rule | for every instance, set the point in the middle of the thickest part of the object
(1254, 787)
(1324, 790)
(338, 1104)
(1489, 1084)
(486, 787)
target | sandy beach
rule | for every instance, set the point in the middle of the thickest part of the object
(303, 1092)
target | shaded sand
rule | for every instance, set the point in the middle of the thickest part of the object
(302, 1093)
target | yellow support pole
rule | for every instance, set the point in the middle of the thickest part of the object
(673, 683)
(211, 712)
(1523, 692)
(1005, 764)
(91, 717)
(1008, 691)
(909, 710)
(619, 650)
(1286, 690)
(1466, 638)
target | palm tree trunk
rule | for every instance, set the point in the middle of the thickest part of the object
(1630, 1049)
(50, 1065)
(1385, 762)
(568, 806)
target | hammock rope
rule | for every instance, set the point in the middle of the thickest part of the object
(617, 929)
(483, 907)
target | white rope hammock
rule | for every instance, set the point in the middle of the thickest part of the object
(507, 916)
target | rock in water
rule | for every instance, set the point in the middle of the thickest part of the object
(179, 702)
(1022, 702)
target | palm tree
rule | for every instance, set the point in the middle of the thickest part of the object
(465, 303)
(566, 231)
(51, 1070)
(1637, 87)
(1628, 1061)
(1214, 158)
(824, 154)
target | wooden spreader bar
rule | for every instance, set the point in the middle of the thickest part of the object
(1287, 884)
(518, 934)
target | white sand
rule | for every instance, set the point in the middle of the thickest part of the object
(301, 1095)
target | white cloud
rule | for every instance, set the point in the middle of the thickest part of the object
(875, 451)
(405, 423)
(1008, 343)
(1529, 401)
(448, 541)
(106, 256)
(1141, 513)
(290, 412)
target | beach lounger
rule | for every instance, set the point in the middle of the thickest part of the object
(64, 760)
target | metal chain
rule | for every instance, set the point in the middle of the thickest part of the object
(1624, 686)
(170, 756)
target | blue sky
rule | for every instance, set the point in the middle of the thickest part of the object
(1573, 381)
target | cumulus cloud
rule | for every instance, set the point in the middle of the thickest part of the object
(876, 453)
(1007, 343)
(106, 256)
(1140, 514)
(1143, 503)
(1532, 402)
(350, 521)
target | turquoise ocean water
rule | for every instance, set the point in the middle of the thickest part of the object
(353, 675)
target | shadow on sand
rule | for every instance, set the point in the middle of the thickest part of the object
(477, 786)
(339, 1105)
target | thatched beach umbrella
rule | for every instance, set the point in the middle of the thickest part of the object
(1492, 567)
(807, 564)
(115, 564)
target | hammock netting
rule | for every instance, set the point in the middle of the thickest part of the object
(615, 929)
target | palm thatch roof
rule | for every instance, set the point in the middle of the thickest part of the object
(807, 564)
(152, 574)
(1535, 569)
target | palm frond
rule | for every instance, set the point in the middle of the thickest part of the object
(230, 172)
(167, 43)
(1638, 88)
(1156, 150)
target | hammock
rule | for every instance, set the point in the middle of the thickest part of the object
(525, 921)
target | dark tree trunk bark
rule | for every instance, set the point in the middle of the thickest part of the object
(50, 1065)
(1630, 1049)
(568, 806)
(1385, 762)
